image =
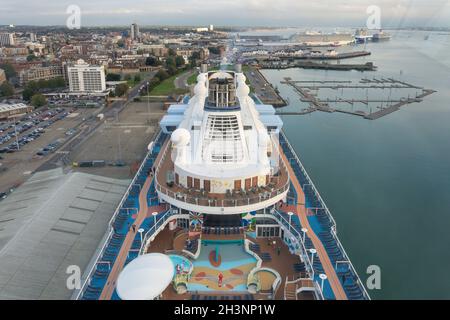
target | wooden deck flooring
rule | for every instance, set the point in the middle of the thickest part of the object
(300, 210)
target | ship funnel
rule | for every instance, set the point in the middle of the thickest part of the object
(238, 68)
(204, 68)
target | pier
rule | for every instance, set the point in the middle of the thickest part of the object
(369, 66)
(387, 106)
(264, 89)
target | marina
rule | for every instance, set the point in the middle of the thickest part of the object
(308, 92)
(368, 66)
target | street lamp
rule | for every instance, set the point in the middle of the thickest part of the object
(290, 214)
(154, 214)
(323, 277)
(148, 103)
(140, 233)
(304, 230)
(313, 252)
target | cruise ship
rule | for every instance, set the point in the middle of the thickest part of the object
(221, 208)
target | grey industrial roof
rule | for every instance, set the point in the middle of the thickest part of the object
(50, 222)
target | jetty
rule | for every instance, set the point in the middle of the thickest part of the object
(369, 66)
(304, 89)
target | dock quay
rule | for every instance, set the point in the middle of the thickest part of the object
(263, 88)
(369, 66)
(388, 106)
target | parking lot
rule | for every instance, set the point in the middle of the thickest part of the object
(120, 141)
(39, 134)
(21, 131)
(77, 101)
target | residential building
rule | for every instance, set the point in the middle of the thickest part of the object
(6, 39)
(134, 32)
(40, 73)
(2, 76)
(86, 78)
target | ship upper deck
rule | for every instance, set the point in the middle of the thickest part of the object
(278, 185)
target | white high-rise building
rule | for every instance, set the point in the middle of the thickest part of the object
(211, 27)
(134, 32)
(33, 37)
(7, 39)
(86, 78)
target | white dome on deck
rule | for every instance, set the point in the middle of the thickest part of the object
(180, 137)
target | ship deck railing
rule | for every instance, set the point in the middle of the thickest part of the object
(304, 253)
(106, 240)
(233, 198)
(333, 230)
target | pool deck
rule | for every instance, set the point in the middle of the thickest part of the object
(282, 262)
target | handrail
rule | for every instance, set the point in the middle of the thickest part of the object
(221, 203)
(110, 232)
(304, 252)
(333, 229)
(352, 268)
(310, 182)
(161, 222)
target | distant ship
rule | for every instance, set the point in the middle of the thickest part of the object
(221, 209)
(322, 39)
(361, 36)
(381, 36)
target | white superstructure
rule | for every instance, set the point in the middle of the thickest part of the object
(220, 145)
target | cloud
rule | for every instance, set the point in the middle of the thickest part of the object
(227, 12)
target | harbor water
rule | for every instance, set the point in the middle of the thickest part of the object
(387, 181)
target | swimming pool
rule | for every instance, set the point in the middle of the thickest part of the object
(184, 263)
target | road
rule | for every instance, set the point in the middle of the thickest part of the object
(88, 127)
(181, 81)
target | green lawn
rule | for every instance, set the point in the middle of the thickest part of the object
(193, 78)
(167, 87)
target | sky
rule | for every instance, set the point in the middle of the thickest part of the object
(272, 13)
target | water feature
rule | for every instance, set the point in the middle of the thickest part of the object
(221, 257)
(184, 264)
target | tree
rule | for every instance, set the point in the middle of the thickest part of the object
(113, 77)
(137, 78)
(56, 83)
(214, 50)
(121, 89)
(172, 52)
(9, 70)
(172, 70)
(179, 61)
(151, 61)
(31, 57)
(6, 89)
(170, 61)
(162, 74)
(38, 100)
